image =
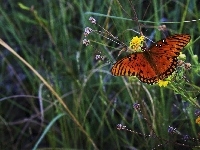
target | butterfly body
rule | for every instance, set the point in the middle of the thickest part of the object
(155, 63)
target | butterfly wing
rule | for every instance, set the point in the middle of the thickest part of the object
(135, 65)
(164, 54)
(158, 62)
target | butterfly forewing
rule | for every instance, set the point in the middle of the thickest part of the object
(158, 62)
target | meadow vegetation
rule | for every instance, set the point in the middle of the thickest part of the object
(54, 94)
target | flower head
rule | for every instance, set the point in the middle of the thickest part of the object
(163, 83)
(87, 31)
(86, 42)
(92, 20)
(166, 81)
(136, 43)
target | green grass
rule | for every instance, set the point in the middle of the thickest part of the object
(55, 95)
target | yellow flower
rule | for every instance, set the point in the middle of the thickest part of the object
(163, 83)
(198, 120)
(166, 81)
(136, 43)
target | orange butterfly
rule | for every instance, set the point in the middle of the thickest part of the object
(155, 63)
